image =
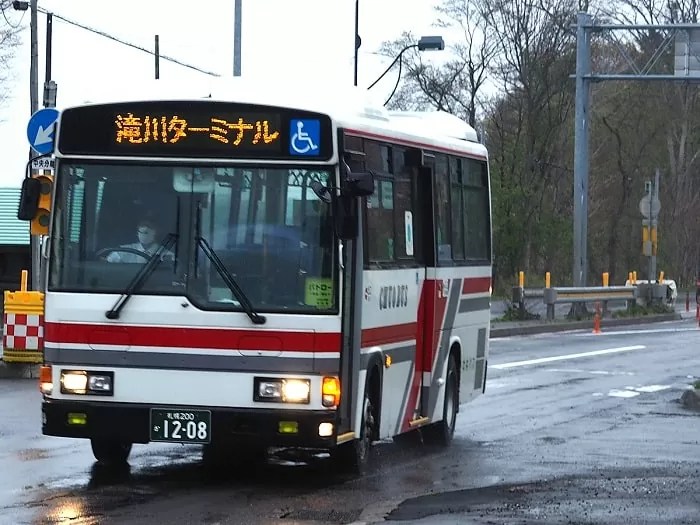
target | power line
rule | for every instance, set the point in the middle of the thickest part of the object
(129, 44)
(4, 15)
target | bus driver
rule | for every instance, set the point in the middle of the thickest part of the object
(147, 235)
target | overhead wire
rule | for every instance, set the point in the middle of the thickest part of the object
(129, 44)
(4, 15)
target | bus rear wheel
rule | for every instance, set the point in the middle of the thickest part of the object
(110, 452)
(442, 432)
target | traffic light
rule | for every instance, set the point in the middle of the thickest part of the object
(42, 216)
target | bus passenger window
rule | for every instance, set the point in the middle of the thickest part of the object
(443, 236)
(380, 222)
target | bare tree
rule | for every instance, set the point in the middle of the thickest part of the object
(456, 85)
(674, 110)
(10, 26)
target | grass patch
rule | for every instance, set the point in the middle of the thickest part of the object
(696, 385)
(513, 313)
(640, 311)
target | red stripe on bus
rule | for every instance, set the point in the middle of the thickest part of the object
(423, 316)
(179, 337)
(476, 284)
(384, 335)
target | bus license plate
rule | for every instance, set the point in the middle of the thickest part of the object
(180, 426)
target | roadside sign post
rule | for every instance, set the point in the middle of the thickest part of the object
(649, 207)
(41, 131)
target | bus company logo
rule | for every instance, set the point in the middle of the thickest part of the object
(368, 293)
(393, 296)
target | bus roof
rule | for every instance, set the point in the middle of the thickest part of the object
(355, 109)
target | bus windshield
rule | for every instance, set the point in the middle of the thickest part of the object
(272, 235)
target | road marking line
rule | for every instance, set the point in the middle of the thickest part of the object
(566, 357)
(623, 393)
(651, 388)
(594, 372)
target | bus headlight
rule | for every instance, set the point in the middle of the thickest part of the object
(86, 382)
(282, 390)
(73, 382)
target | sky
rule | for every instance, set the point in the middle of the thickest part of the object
(292, 39)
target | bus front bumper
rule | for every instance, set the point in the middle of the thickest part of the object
(131, 423)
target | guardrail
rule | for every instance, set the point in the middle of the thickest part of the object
(569, 294)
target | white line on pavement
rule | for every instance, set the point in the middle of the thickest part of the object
(568, 356)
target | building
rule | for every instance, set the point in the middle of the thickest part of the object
(15, 250)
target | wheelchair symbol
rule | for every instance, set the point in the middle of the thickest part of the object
(301, 142)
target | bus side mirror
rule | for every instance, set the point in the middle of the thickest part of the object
(321, 191)
(355, 184)
(29, 199)
(359, 184)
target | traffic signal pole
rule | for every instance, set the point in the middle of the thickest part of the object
(34, 100)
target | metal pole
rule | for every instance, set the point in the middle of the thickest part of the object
(157, 55)
(358, 41)
(581, 128)
(34, 100)
(237, 39)
(653, 226)
(49, 37)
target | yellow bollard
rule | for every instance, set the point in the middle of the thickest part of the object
(547, 280)
(521, 279)
(23, 324)
(661, 277)
(606, 279)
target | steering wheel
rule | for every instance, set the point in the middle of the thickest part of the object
(104, 251)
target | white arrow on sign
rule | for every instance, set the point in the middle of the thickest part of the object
(43, 136)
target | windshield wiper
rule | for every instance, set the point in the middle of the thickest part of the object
(230, 282)
(141, 276)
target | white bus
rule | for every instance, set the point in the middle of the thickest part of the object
(252, 272)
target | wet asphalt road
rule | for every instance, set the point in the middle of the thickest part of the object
(593, 438)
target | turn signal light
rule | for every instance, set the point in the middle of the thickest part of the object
(330, 392)
(45, 380)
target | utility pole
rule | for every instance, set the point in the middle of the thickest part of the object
(34, 100)
(358, 40)
(583, 68)
(237, 22)
(157, 55)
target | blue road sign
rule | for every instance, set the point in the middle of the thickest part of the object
(41, 130)
(305, 137)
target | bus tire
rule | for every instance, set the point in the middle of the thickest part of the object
(442, 432)
(110, 452)
(353, 457)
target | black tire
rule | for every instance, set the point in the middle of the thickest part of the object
(442, 432)
(110, 452)
(353, 457)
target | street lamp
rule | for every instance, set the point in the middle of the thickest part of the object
(426, 43)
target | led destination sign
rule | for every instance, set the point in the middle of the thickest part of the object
(195, 129)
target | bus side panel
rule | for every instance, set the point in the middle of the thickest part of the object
(389, 333)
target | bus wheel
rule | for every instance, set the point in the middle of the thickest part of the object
(353, 457)
(110, 452)
(442, 432)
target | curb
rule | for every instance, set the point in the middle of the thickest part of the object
(551, 327)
